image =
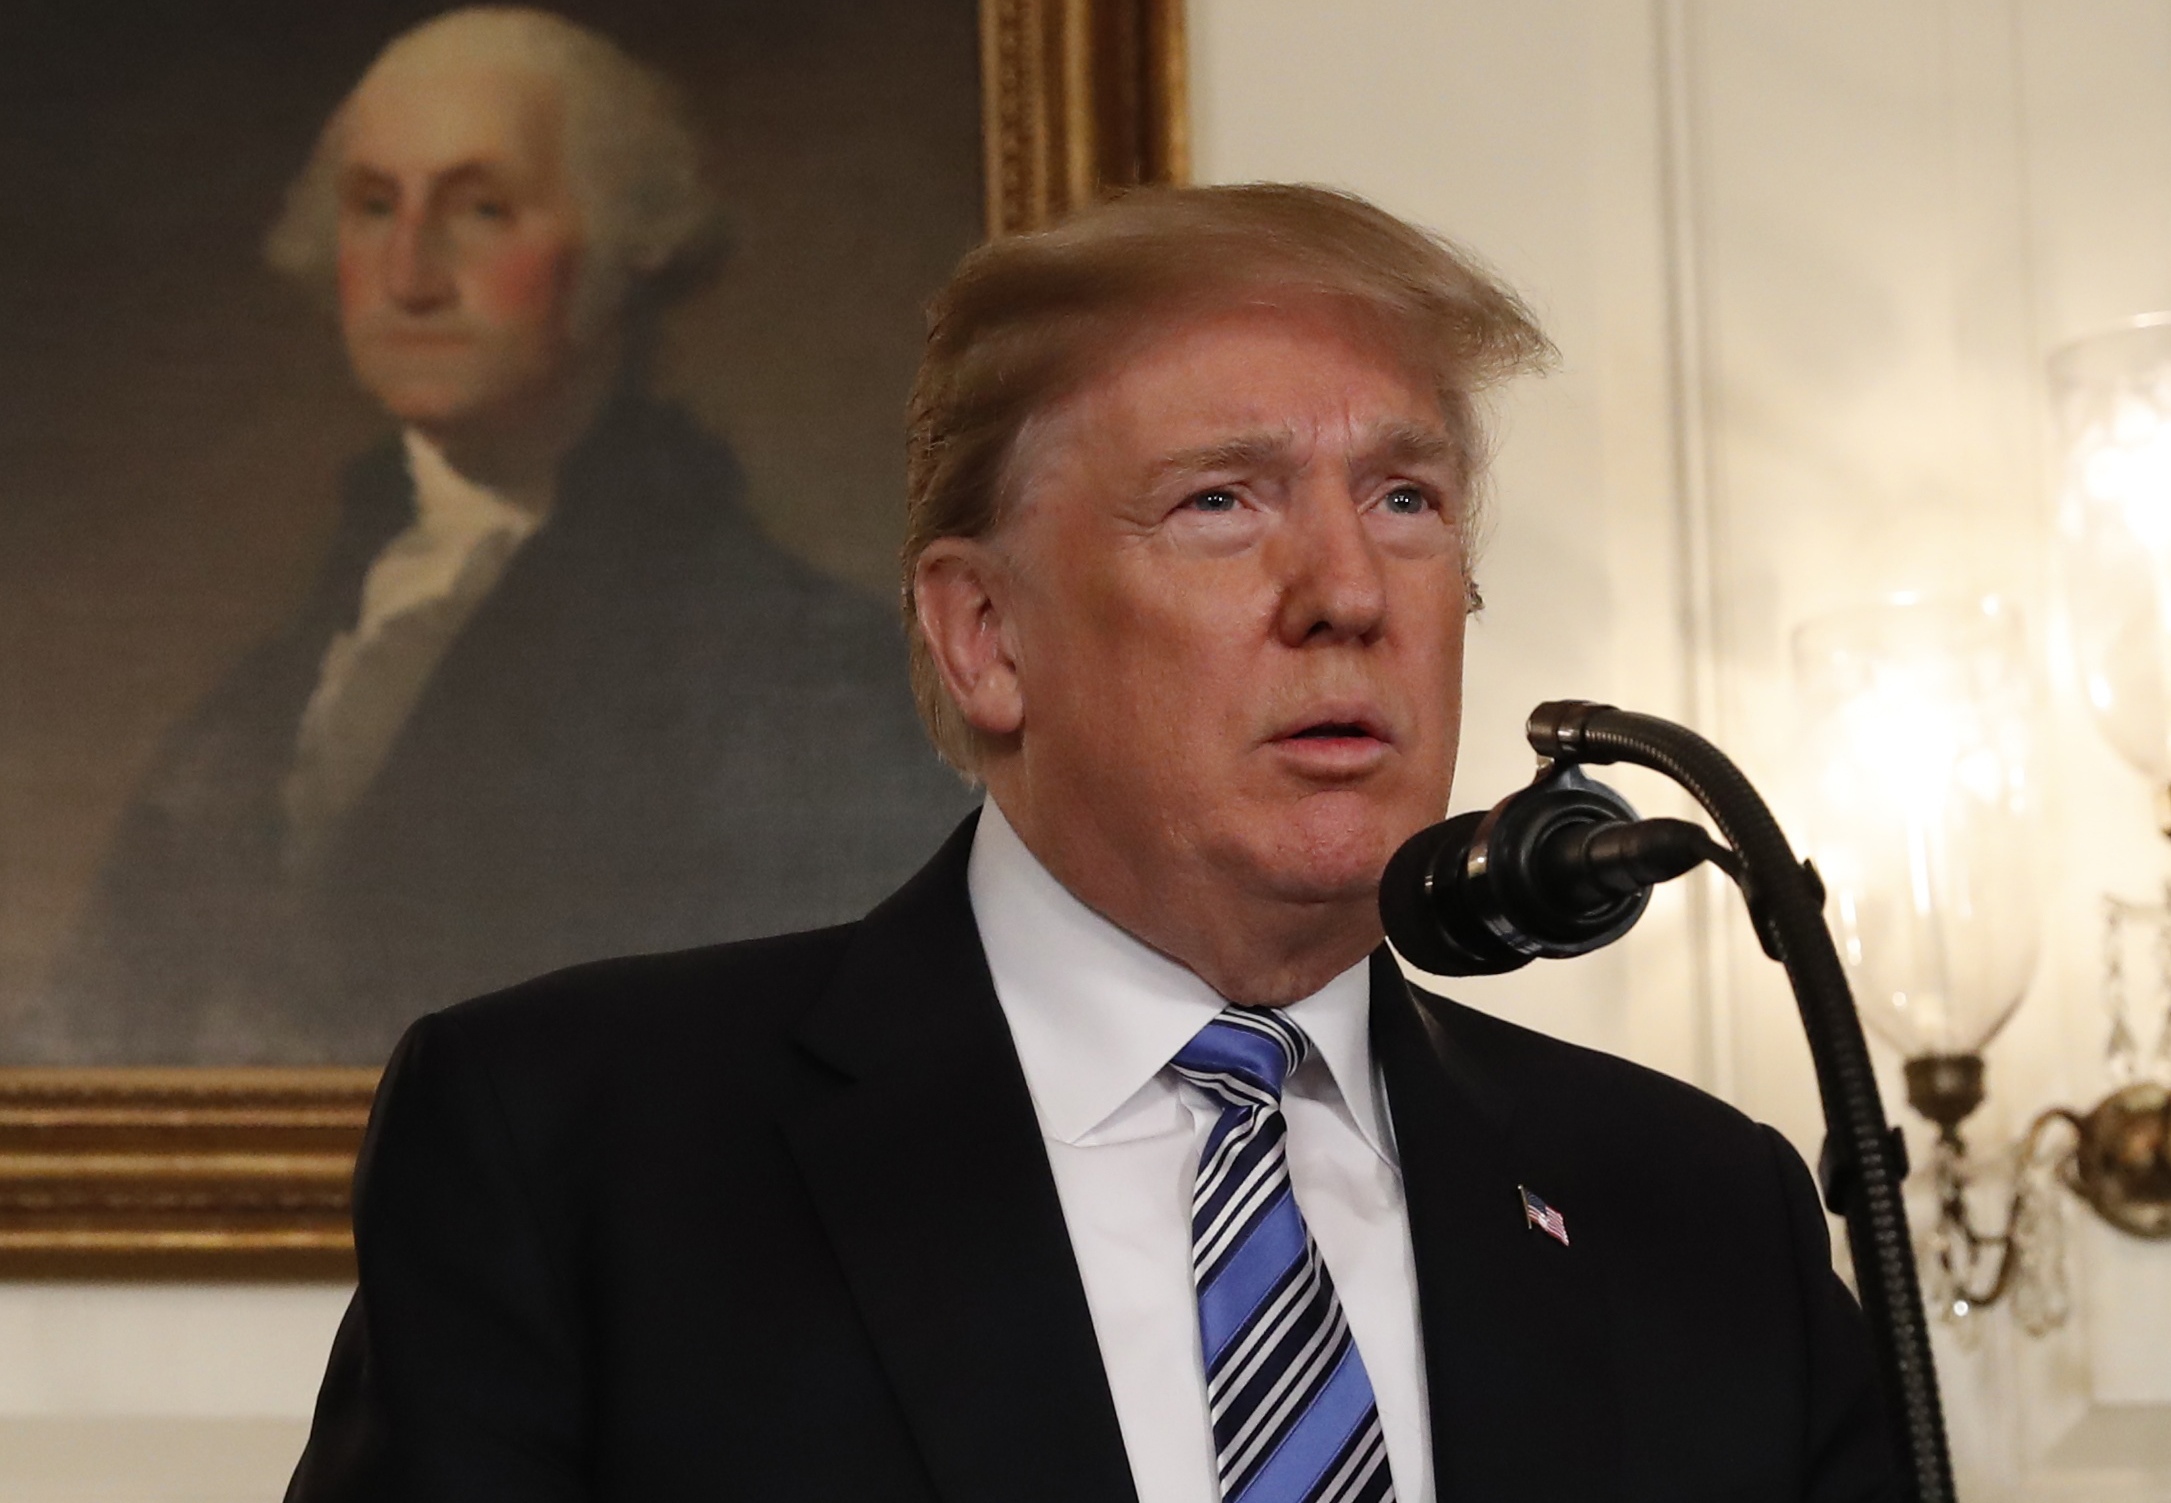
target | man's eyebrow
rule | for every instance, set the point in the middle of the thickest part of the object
(1247, 451)
(473, 170)
(1407, 444)
(362, 175)
(1392, 446)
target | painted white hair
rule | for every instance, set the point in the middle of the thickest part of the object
(631, 156)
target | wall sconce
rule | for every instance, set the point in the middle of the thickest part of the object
(1924, 829)
(2112, 396)
(1923, 826)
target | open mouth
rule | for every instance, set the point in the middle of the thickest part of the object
(1344, 743)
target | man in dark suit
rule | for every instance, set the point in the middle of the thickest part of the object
(1111, 1157)
(553, 694)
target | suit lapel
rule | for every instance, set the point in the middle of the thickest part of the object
(1515, 1327)
(927, 1169)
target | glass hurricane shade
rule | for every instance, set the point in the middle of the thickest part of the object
(2112, 395)
(1922, 813)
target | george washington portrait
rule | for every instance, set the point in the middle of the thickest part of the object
(563, 637)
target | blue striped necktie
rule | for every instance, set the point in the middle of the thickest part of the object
(1292, 1408)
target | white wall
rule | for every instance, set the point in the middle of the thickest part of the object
(144, 1393)
(1802, 261)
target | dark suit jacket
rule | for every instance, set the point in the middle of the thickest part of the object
(659, 730)
(774, 1221)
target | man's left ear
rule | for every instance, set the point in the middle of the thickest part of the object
(958, 593)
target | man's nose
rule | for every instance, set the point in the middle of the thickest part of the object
(418, 264)
(1333, 585)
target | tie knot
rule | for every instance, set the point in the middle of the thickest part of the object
(1243, 1056)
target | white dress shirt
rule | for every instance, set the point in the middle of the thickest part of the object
(1096, 1016)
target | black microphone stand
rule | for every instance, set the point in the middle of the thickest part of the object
(1864, 1159)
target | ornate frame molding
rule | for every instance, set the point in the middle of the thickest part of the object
(247, 1173)
(179, 1173)
(1078, 98)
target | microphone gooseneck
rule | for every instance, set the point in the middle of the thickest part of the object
(1563, 867)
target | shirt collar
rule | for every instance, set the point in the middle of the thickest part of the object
(1096, 1013)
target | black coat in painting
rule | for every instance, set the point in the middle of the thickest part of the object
(773, 1221)
(660, 729)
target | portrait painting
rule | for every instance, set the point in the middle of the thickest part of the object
(451, 485)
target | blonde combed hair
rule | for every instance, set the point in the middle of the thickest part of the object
(1027, 319)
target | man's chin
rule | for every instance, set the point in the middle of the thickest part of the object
(1326, 872)
(442, 389)
(489, 432)
(1347, 832)
(433, 406)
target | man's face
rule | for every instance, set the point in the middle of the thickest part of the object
(459, 244)
(1236, 605)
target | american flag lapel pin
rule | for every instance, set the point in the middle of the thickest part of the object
(1542, 1216)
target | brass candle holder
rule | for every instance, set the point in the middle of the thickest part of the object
(2116, 1158)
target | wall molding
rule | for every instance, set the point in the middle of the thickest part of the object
(1690, 416)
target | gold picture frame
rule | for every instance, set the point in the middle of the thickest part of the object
(246, 1173)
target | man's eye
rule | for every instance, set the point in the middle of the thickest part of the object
(1216, 500)
(1407, 501)
(480, 208)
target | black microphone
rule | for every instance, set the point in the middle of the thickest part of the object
(1559, 868)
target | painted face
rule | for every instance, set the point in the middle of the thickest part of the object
(459, 245)
(1237, 608)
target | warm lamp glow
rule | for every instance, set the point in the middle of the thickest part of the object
(2113, 398)
(1923, 814)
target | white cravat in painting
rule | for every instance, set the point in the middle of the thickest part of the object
(417, 596)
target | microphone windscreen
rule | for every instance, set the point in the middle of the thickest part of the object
(1419, 908)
